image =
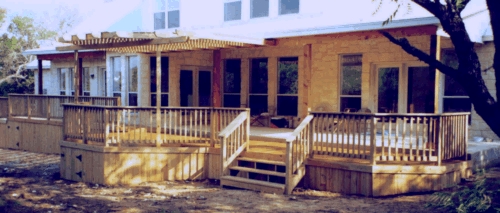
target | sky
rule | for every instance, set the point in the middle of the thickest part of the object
(23, 7)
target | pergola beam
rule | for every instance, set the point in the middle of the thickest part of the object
(179, 39)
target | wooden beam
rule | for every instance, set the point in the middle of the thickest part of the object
(93, 54)
(76, 75)
(125, 44)
(306, 88)
(435, 51)
(40, 77)
(216, 87)
(80, 76)
(158, 96)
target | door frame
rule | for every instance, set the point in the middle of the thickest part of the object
(196, 73)
(402, 85)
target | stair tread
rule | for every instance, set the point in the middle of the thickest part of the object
(256, 182)
(260, 171)
(272, 162)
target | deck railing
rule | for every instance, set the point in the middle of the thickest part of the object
(235, 138)
(136, 126)
(4, 107)
(391, 137)
(298, 147)
(50, 106)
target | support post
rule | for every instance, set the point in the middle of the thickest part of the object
(373, 140)
(76, 76)
(80, 77)
(305, 89)
(40, 77)
(435, 51)
(158, 95)
(216, 87)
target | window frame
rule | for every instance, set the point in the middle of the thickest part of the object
(226, 2)
(280, 13)
(224, 93)
(86, 79)
(164, 12)
(341, 79)
(129, 80)
(252, 94)
(278, 94)
(163, 93)
(252, 9)
(171, 10)
(116, 93)
(451, 97)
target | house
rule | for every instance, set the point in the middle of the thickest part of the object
(339, 41)
(284, 57)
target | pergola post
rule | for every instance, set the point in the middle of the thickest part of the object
(40, 77)
(435, 51)
(80, 76)
(216, 88)
(76, 77)
(158, 95)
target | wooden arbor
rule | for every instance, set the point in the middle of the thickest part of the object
(148, 42)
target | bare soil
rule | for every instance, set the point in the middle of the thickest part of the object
(30, 182)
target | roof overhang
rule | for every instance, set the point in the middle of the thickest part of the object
(157, 41)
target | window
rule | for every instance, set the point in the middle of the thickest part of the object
(62, 80)
(71, 81)
(259, 8)
(288, 69)
(232, 83)
(164, 81)
(288, 7)
(117, 76)
(86, 81)
(421, 86)
(455, 98)
(132, 80)
(232, 10)
(258, 86)
(350, 85)
(172, 19)
(159, 15)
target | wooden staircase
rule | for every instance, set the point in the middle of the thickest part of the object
(243, 167)
(256, 174)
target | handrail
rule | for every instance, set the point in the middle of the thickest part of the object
(391, 137)
(298, 148)
(234, 139)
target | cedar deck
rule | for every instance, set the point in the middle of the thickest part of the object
(327, 151)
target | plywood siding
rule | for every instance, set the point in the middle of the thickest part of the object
(338, 180)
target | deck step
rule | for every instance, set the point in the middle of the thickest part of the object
(271, 162)
(256, 185)
(259, 171)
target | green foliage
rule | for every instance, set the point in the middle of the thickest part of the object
(482, 196)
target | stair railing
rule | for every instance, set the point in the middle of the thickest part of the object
(234, 138)
(298, 147)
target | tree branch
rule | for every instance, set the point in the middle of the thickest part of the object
(405, 45)
(434, 7)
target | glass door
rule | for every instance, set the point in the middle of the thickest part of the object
(204, 88)
(186, 85)
(388, 89)
(101, 79)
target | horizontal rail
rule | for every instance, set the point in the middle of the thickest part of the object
(391, 137)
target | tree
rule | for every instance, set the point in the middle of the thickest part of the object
(24, 33)
(468, 73)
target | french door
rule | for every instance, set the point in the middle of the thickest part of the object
(195, 87)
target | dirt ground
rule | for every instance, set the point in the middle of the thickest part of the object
(30, 182)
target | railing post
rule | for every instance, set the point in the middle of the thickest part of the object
(213, 123)
(84, 124)
(223, 155)
(439, 138)
(106, 127)
(29, 106)
(64, 125)
(289, 167)
(373, 140)
(247, 123)
(48, 108)
(466, 123)
(311, 138)
(9, 100)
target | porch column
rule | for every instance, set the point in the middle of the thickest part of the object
(158, 95)
(304, 89)
(80, 77)
(216, 87)
(435, 51)
(76, 77)
(40, 77)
